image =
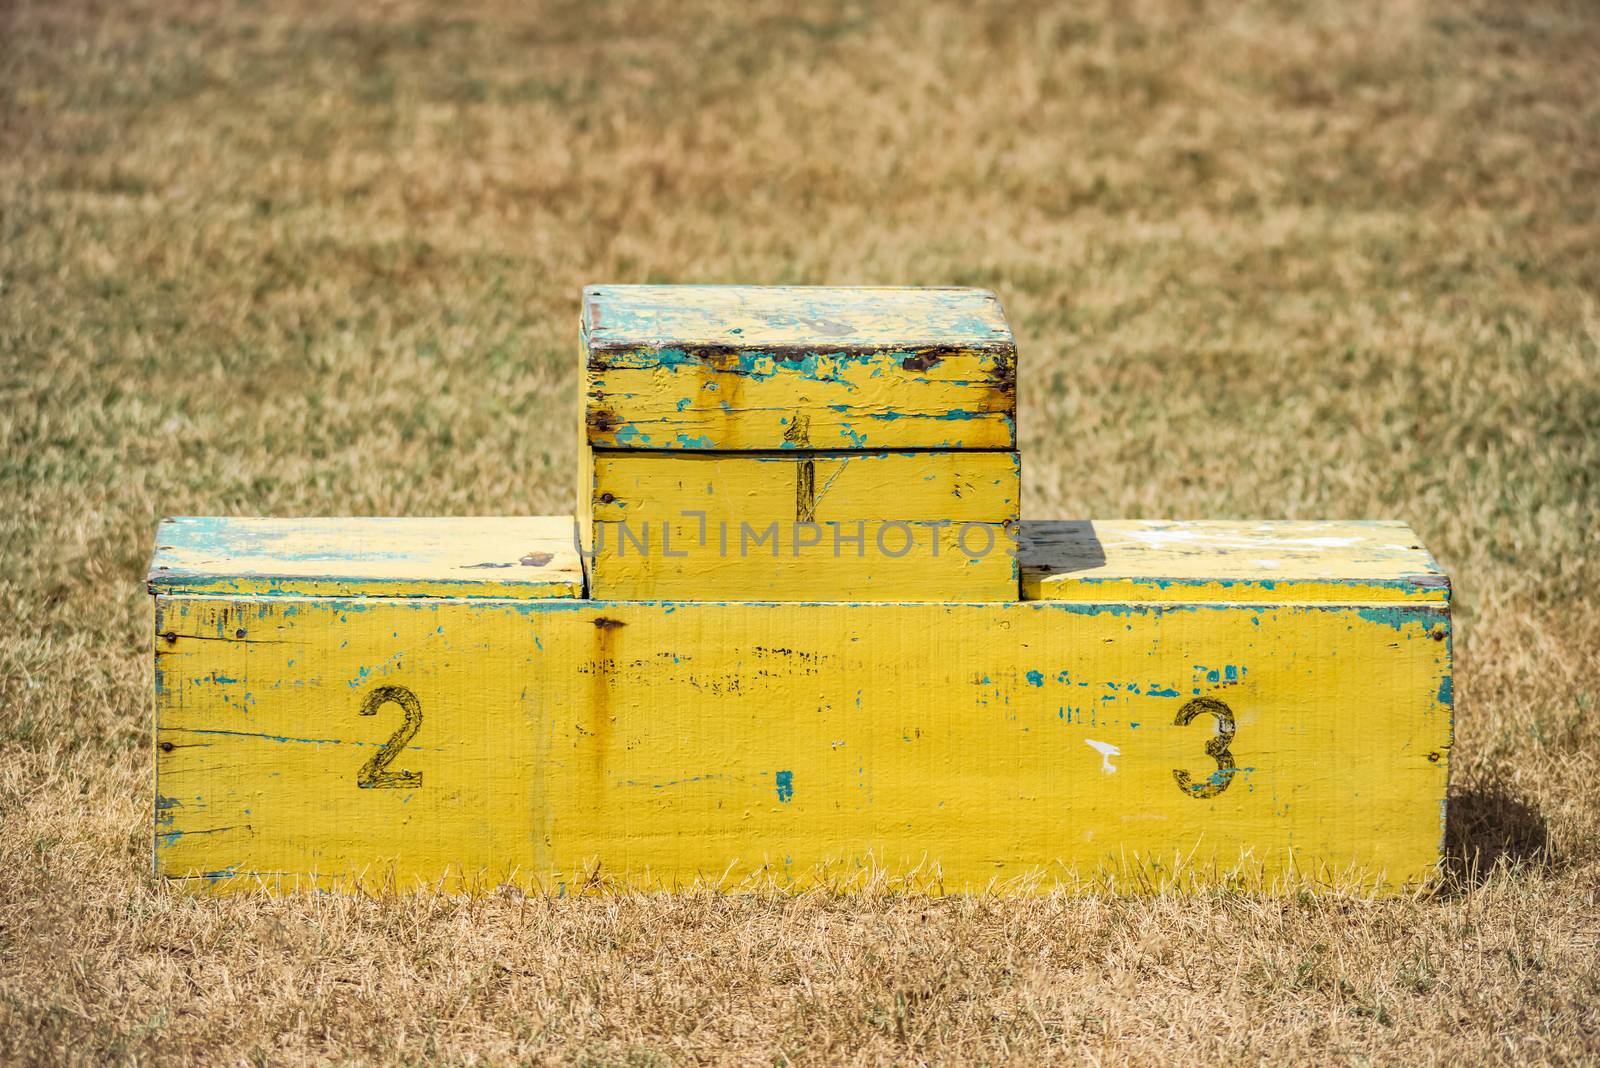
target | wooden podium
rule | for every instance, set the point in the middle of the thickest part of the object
(400, 704)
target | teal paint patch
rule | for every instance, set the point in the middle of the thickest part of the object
(1405, 585)
(820, 364)
(165, 839)
(631, 435)
(1219, 778)
(953, 415)
(1035, 678)
(1400, 617)
(179, 584)
(225, 536)
(282, 738)
(672, 358)
(675, 782)
(785, 785)
(164, 806)
(1447, 693)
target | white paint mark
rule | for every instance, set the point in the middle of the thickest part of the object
(826, 486)
(1268, 564)
(1106, 751)
(1321, 543)
(1219, 540)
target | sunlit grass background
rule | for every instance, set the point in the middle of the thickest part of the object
(1263, 259)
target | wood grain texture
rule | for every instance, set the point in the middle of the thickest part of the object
(565, 744)
(1253, 561)
(913, 526)
(480, 556)
(736, 368)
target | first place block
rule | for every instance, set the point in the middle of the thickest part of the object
(798, 443)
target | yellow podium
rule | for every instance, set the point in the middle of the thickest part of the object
(401, 704)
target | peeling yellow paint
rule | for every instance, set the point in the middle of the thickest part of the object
(737, 368)
(913, 526)
(657, 744)
(1254, 561)
(520, 557)
(558, 741)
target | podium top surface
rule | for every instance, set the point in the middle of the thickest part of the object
(523, 557)
(755, 368)
(644, 319)
(1247, 561)
(534, 558)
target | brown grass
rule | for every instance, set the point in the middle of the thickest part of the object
(1265, 259)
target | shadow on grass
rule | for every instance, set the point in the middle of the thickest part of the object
(1488, 829)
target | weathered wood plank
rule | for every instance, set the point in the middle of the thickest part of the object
(1257, 561)
(524, 556)
(734, 368)
(408, 743)
(910, 526)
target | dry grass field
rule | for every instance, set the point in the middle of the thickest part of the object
(1264, 259)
